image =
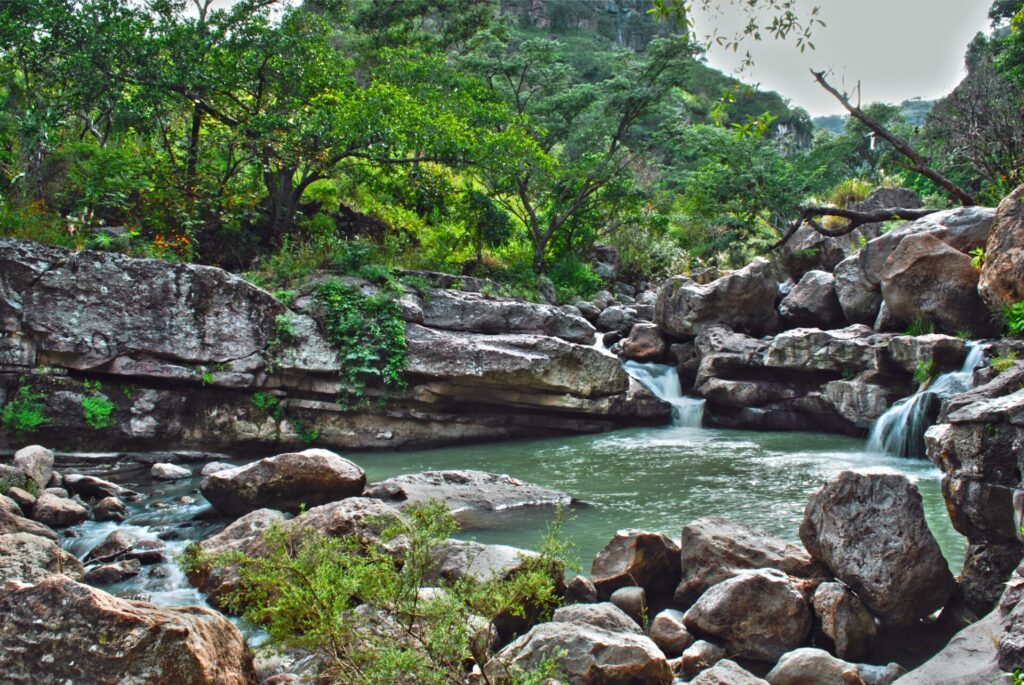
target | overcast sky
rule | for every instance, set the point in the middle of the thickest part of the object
(896, 49)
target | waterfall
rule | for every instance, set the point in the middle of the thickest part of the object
(900, 430)
(663, 382)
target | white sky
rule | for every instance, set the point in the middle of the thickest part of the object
(896, 49)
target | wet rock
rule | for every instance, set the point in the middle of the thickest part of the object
(645, 343)
(584, 655)
(844, 620)
(1001, 275)
(588, 311)
(927, 279)
(36, 462)
(13, 523)
(727, 672)
(636, 557)
(148, 552)
(580, 590)
(58, 512)
(858, 298)
(761, 614)
(813, 302)
(105, 640)
(29, 559)
(714, 549)
(809, 666)
(616, 318)
(106, 574)
(116, 544)
(633, 601)
(604, 615)
(669, 633)
(743, 300)
(970, 657)
(213, 467)
(848, 525)
(25, 500)
(285, 482)
(169, 472)
(466, 493)
(91, 487)
(700, 656)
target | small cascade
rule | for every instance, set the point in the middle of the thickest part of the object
(663, 382)
(900, 430)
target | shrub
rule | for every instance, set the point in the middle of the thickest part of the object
(573, 280)
(25, 483)
(360, 609)
(1002, 362)
(850, 191)
(924, 371)
(25, 411)
(369, 335)
(96, 407)
(1013, 318)
(920, 326)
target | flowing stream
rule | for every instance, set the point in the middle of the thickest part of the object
(900, 430)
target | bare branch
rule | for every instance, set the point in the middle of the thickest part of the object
(855, 219)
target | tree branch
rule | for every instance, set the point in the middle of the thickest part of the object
(810, 215)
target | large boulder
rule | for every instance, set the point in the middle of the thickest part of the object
(286, 482)
(844, 620)
(636, 557)
(360, 519)
(1002, 276)
(13, 523)
(858, 297)
(669, 632)
(854, 348)
(604, 615)
(714, 549)
(743, 300)
(760, 614)
(471, 496)
(456, 560)
(969, 657)
(645, 343)
(851, 525)
(809, 666)
(584, 655)
(727, 672)
(91, 487)
(58, 512)
(59, 631)
(813, 302)
(36, 462)
(926, 279)
(29, 559)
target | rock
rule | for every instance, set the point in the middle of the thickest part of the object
(970, 657)
(169, 472)
(107, 574)
(110, 509)
(743, 300)
(285, 482)
(617, 319)
(13, 523)
(58, 512)
(213, 467)
(849, 524)
(844, 620)
(580, 590)
(116, 544)
(468, 494)
(91, 487)
(458, 559)
(880, 675)
(984, 574)
(9, 506)
(760, 614)
(633, 601)
(727, 672)
(636, 557)
(36, 462)
(813, 302)
(645, 343)
(360, 519)
(700, 656)
(105, 640)
(926, 279)
(57, 492)
(714, 549)
(809, 666)
(584, 655)
(669, 633)
(858, 298)
(29, 559)
(25, 500)
(944, 352)
(1001, 275)
(854, 348)
(588, 311)
(604, 615)
(886, 322)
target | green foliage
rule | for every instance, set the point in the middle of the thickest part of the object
(1013, 318)
(573, 280)
(25, 483)
(24, 411)
(921, 325)
(268, 405)
(369, 335)
(924, 371)
(360, 609)
(96, 407)
(1002, 362)
(307, 434)
(850, 191)
(977, 258)
(964, 334)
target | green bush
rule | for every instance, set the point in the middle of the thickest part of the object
(96, 407)
(369, 335)
(1002, 362)
(25, 483)
(360, 609)
(1013, 318)
(573, 280)
(920, 326)
(25, 411)
(849, 192)
(924, 371)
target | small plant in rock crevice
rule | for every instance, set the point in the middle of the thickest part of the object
(1012, 316)
(1002, 362)
(24, 411)
(96, 407)
(25, 483)
(921, 325)
(924, 371)
(368, 333)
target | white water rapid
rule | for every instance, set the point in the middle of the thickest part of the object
(900, 430)
(663, 381)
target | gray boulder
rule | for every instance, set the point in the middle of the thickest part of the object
(633, 601)
(91, 487)
(464, 559)
(163, 471)
(604, 615)
(813, 302)
(858, 297)
(743, 300)
(645, 343)
(286, 482)
(636, 557)
(1001, 276)
(29, 559)
(760, 614)
(849, 523)
(669, 632)
(844, 620)
(809, 666)
(616, 318)
(58, 512)
(36, 462)
(727, 672)
(699, 656)
(970, 657)
(854, 348)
